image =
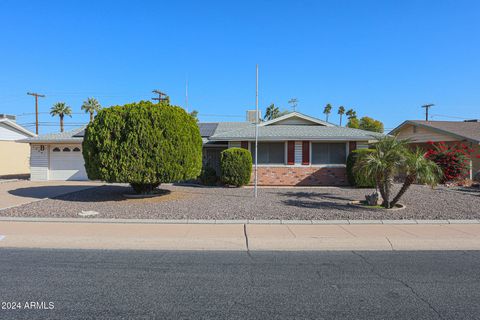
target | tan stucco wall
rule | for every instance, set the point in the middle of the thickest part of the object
(422, 134)
(14, 158)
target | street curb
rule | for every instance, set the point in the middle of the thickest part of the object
(240, 221)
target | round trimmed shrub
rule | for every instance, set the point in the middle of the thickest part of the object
(354, 178)
(143, 144)
(236, 166)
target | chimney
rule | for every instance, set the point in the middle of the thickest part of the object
(251, 116)
(8, 116)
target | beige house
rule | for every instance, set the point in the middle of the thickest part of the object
(421, 132)
(14, 156)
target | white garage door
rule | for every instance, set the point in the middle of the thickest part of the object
(66, 163)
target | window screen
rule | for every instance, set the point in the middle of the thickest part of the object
(269, 152)
(328, 153)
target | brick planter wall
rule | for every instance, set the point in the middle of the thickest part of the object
(300, 176)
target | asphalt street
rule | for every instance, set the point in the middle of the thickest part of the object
(94, 284)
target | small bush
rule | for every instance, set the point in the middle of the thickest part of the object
(236, 166)
(354, 178)
(453, 159)
(208, 176)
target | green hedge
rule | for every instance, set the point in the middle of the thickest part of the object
(143, 144)
(353, 178)
(236, 166)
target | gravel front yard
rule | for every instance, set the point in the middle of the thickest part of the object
(185, 202)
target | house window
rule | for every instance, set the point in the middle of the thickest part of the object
(329, 153)
(56, 149)
(76, 149)
(66, 149)
(269, 152)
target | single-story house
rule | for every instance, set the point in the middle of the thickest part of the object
(14, 159)
(451, 132)
(294, 149)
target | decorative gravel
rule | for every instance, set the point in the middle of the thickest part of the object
(187, 202)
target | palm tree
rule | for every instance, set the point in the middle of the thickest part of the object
(417, 168)
(60, 109)
(91, 106)
(327, 110)
(351, 114)
(341, 112)
(391, 157)
(382, 165)
(272, 112)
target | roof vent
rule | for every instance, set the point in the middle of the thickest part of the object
(8, 116)
(251, 116)
(472, 120)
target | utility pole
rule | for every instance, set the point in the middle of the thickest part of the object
(427, 106)
(36, 95)
(161, 96)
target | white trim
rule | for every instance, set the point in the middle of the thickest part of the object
(298, 115)
(18, 127)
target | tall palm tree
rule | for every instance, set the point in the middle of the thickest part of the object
(351, 114)
(271, 112)
(341, 112)
(327, 110)
(417, 169)
(91, 106)
(61, 109)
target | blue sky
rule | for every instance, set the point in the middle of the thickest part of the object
(382, 58)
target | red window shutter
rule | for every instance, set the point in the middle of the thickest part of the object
(244, 144)
(352, 145)
(291, 152)
(305, 152)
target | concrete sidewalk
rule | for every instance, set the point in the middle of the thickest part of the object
(15, 193)
(239, 236)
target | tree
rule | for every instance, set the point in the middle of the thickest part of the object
(392, 157)
(271, 112)
(369, 124)
(417, 168)
(91, 106)
(341, 112)
(143, 144)
(194, 115)
(353, 123)
(61, 109)
(351, 114)
(327, 110)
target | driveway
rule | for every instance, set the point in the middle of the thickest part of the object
(19, 192)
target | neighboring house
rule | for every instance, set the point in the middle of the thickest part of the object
(14, 156)
(294, 149)
(57, 156)
(422, 132)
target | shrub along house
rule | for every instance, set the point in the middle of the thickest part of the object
(294, 149)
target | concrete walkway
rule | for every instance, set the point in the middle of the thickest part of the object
(15, 193)
(82, 235)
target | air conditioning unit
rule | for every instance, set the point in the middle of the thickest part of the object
(252, 116)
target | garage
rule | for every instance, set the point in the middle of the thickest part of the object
(66, 163)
